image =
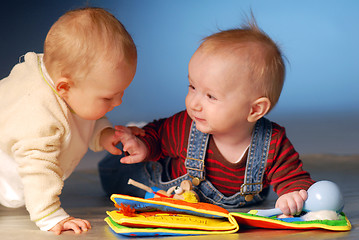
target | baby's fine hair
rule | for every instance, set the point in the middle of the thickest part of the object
(81, 38)
(264, 57)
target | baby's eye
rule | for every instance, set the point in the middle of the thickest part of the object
(107, 99)
(191, 87)
(211, 97)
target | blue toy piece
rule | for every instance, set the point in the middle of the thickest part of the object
(152, 194)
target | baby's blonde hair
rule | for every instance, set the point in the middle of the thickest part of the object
(263, 56)
(82, 38)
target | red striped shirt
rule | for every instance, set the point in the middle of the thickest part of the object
(169, 137)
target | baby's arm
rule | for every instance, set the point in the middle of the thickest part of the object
(292, 203)
(131, 144)
(75, 224)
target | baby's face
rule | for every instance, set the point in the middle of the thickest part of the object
(220, 95)
(101, 91)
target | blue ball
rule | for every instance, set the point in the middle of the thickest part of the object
(324, 195)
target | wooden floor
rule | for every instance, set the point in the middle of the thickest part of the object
(83, 197)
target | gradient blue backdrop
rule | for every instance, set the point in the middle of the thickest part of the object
(319, 38)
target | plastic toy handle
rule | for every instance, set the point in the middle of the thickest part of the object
(266, 212)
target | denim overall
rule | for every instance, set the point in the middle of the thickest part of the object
(157, 173)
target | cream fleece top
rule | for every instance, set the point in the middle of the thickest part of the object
(41, 142)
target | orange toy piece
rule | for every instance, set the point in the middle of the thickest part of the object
(126, 210)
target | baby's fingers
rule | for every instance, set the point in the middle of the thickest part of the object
(57, 229)
(113, 150)
(130, 159)
(84, 224)
(72, 226)
(137, 131)
(123, 129)
(77, 225)
(123, 134)
(303, 194)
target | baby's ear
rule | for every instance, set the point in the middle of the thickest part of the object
(62, 86)
(259, 108)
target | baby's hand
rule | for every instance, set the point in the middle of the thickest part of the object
(137, 131)
(131, 144)
(75, 224)
(292, 203)
(109, 140)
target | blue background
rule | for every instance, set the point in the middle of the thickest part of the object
(319, 103)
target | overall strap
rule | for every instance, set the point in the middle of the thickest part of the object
(196, 152)
(257, 159)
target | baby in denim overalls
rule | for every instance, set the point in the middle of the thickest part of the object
(222, 142)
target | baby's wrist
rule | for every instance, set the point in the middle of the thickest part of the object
(107, 130)
(51, 220)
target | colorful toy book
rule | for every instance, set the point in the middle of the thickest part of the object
(167, 216)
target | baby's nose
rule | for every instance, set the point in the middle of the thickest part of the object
(117, 102)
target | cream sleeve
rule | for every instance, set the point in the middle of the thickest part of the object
(40, 171)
